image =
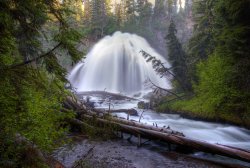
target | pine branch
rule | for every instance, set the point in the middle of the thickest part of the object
(166, 90)
(34, 59)
(160, 68)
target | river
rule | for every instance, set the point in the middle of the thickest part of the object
(116, 65)
(212, 132)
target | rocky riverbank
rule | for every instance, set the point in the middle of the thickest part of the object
(121, 153)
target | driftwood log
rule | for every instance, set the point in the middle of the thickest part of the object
(140, 125)
(181, 140)
(132, 112)
(164, 134)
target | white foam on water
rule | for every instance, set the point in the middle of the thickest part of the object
(116, 65)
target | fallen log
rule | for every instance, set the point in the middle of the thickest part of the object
(167, 135)
(77, 122)
(145, 126)
(132, 112)
(75, 104)
(133, 123)
(180, 140)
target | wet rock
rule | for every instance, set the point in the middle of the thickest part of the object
(143, 105)
(133, 112)
(89, 103)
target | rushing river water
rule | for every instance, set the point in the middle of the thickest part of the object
(207, 131)
(115, 65)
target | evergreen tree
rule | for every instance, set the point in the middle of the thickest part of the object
(101, 17)
(32, 80)
(98, 13)
(177, 58)
(140, 6)
(202, 42)
(232, 37)
(130, 9)
(159, 9)
(175, 6)
(144, 10)
(108, 6)
(188, 6)
(170, 4)
(221, 41)
(87, 12)
(119, 15)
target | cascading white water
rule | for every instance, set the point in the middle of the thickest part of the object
(116, 65)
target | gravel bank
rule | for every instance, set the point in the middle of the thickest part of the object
(122, 154)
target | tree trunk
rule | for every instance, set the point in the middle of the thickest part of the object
(223, 150)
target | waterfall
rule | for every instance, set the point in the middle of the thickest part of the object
(115, 64)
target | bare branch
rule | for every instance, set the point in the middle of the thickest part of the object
(141, 115)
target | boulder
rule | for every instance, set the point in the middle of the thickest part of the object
(143, 105)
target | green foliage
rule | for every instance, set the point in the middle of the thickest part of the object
(177, 58)
(224, 77)
(159, 8)
(30, 103)
(94, 129)
(31, 94)
(213, 90)
(98, 19)
(112, 25)
(130, 9)
(220, 53)
(98, 12)
(69, 39)
(144, 10)
(202, 42)
(156, 63)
